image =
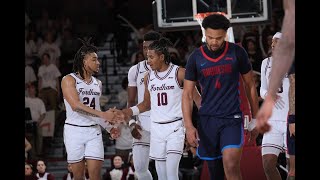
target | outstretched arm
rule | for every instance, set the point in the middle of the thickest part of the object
(71, 95)
(283, 55)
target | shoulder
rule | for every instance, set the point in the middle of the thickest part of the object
(68, 79)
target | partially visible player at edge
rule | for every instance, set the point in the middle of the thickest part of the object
(283, 57)
(140, 129)
(82, 133)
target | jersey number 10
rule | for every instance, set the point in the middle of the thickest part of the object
(162, 99)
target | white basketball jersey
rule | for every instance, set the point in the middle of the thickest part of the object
(165, 95)
(89, 95)
(283, 92)
(136, 78)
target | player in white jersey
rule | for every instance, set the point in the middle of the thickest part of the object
(274, 141)
(163, 93)
(82, 133)
(140, 129)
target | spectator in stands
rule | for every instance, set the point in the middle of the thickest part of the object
(27, 147)
(51, 47)
(190, 165)
(254, 54)
(28, 172)
(124, 142)
(29, 77)
(69, 175)
(38, 113)
(42, 174)
(49, 84)
(117, 170)
(123, 94)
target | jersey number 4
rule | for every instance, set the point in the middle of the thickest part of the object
(92, 104)
(162, 99)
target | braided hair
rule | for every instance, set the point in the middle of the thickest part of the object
(85, 49)
(161, 47)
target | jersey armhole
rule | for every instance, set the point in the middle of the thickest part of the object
(177, 78)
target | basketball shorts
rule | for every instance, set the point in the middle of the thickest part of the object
(165, 139)
(274, 141)
(83, 142)
(291, 143)
(217, 134)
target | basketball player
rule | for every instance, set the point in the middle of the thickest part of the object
(283, 57)
(217, 66)
(82, 133)
(291, 130)
(274, 141)
(141, 141)
(163, 91)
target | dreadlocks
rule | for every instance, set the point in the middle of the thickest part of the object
(85, 49)
(161, 47)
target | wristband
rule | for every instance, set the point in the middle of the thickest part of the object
(135, 110)
(292, 119)
(252, 124)
(131, 122)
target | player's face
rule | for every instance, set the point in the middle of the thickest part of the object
(91, 63)
(155, 60)
(215, 38)
(145, 47)
(117, 161)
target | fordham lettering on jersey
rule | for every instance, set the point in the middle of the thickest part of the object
(90, 92)
(161, 88)
(219, 69)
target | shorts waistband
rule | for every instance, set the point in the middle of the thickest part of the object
(169, 121)
(81, 125)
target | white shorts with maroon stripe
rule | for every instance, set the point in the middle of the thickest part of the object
(166, 138)
(83, 142)
(274, 141)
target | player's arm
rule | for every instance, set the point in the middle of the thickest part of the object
(132, 86)
(195, 94)
(187, 102)
(68, 85)
(145, 105)
(251, 92)
(263, 79)
(292, 94)
(283, 55)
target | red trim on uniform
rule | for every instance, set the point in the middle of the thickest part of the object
(91, 80)
(145, 65)
(217, 59)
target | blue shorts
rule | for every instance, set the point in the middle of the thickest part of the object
(216, 134)
(291, 143)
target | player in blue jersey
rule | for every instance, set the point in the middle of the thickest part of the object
(217, 66)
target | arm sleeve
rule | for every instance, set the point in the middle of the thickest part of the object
(191, 68)
(132, 76)
(264, 83)
(242, 57)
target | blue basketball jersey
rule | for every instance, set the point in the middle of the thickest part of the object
(218, 75)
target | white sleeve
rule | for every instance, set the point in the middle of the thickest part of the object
(264, 83)
(132, 76)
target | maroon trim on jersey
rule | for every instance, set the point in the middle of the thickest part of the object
(145, 65)
(162, 78)
(136, 76)
(177, 79)
(78, 76)
(217, 59)
(148, 80)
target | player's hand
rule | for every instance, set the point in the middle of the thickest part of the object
(136, 130)
(192, 136)
(292, 129)
(115, 132)
(264, 114)
(127, 114)
(113, 116)
(253, 134)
